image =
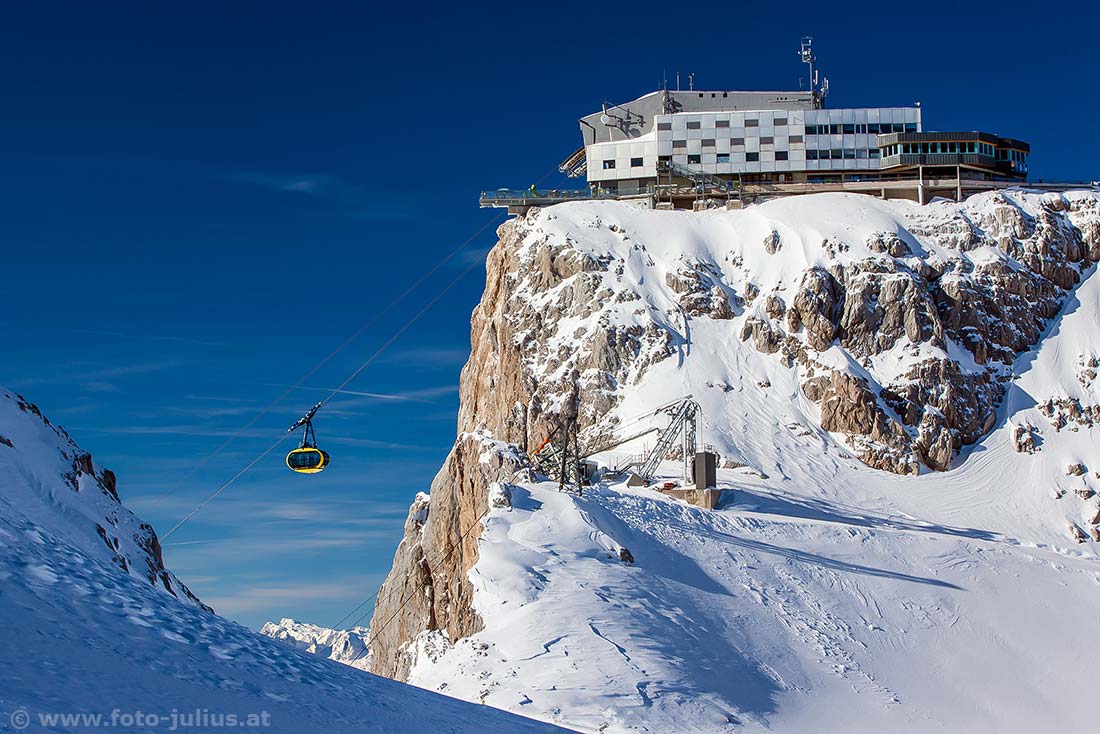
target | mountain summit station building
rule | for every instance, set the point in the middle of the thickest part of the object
(729, 139)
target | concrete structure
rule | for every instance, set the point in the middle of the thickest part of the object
(706, 498)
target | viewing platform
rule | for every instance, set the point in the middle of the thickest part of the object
(710, 194)
(518, 201)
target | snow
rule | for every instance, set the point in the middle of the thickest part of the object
(343, 646)
(822, 595)
(84, 636)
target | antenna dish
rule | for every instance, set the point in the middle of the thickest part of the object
(605, 119)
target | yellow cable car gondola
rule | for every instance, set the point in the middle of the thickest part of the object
(307, 458)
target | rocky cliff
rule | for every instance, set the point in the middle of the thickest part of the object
(901, 323)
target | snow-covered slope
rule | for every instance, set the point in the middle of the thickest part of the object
(48, 482)
(824, 594)
(343, 646)
(99, 630)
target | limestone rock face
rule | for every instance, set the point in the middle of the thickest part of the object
(816, 302)
(523, 375)
(427, 589)
(903, 331)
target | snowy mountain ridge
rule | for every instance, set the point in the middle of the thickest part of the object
(904, 397)
(96, 627)
(53, 484)
(343, 646)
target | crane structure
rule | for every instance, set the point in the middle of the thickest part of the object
(684, 425)
(560, 456)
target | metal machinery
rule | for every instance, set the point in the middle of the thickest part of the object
(560, 456)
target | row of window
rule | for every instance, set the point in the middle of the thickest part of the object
(862, 128)
(698, 125)
(946, 148)
(634, 163)
(1016, 156)
(955, 148)
(711, 142)
(838, 154)
(696, 159)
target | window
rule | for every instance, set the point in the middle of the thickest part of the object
(737, 141)
(811, 129)
(679, 144)
(722, 123)
(694, 124)
(708, 142)
(795, 139)
(608, 165)
(823, 155)
(780, 121)
(766, 140)
(752, 123)
(899, 127)
(723, 157)
(696, 158)
(636, 163)
(910, 127)
(849, 129)
(861, 153)
(849, 153)
(837, 155)
(752, 157)
(781, 155)
(875, 153)
(664, 125)
(811, 155)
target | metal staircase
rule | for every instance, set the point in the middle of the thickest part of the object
(700, 178)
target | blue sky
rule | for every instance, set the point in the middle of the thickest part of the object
(202, 200)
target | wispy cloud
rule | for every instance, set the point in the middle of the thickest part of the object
(148, 337)
(303, 183)
(450, 356)
(255, 598)
(354, 201)
(95, 377)
(421, 395)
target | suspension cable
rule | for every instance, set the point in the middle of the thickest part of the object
(351, 377)
(347, 342)
(345, 383)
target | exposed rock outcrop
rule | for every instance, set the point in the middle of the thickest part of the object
(427, 589)
(903, 337)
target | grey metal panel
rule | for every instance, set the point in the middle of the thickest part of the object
(633, 119)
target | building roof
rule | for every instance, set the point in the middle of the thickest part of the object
(634, 119)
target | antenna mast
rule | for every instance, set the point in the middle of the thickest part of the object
(818, 87)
